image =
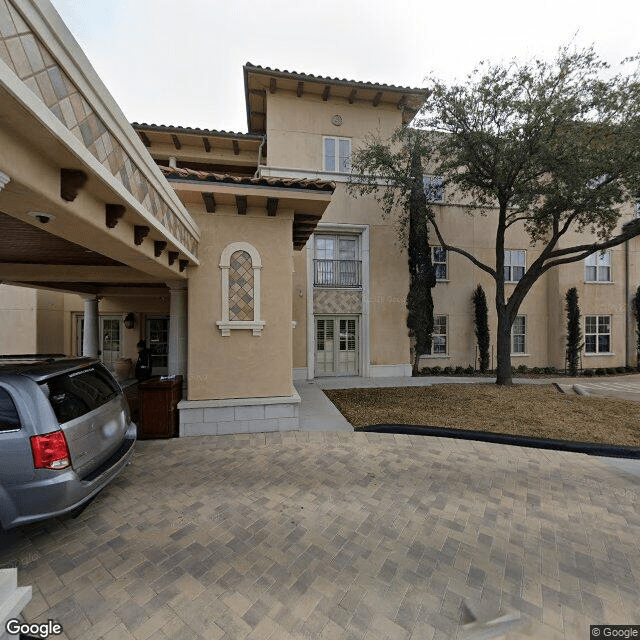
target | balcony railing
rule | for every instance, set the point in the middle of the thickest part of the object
(337, 273)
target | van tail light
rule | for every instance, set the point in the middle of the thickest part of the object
(50, 451)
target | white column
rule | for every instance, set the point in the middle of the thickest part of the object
(178, 329)
(90, 338)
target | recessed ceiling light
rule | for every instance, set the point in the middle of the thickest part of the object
(42, 216)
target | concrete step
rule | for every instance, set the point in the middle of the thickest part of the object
(13, 599)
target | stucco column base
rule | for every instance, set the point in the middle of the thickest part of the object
(239, 415)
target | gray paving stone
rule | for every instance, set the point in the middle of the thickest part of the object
(336, 535)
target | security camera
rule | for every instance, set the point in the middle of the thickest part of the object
(42, 217)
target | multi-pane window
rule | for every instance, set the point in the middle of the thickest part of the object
(519, 335)
(439, 336)
(598, 267)
(515, 262)
(336, 261)
(433, 188)
(337, 154)
(597, 334)
(439, 260)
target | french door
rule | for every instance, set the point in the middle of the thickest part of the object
(337, 351)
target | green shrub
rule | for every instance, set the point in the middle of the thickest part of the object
(447, 371)
(629, 369)
(588, 373)
(523, 368)
(459, 371)
(610, 371)
(469, 370)
(436, 370)
(425, 371)
(601, 372)
(536, 370)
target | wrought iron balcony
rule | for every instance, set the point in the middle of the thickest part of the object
(337, 273)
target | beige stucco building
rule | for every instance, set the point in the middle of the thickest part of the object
(239, 257)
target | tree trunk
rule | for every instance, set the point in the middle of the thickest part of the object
(503, 341)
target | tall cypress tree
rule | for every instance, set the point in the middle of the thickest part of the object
(481, 321)
(574, 334)
(421, 273)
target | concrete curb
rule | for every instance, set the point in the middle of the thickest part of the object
(590, 448)
(580, 390)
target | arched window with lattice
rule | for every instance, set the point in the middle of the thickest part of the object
(241, 265)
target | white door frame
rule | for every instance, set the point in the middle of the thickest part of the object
(364, 361)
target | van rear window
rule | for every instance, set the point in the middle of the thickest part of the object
(75, 394)
(9, 419)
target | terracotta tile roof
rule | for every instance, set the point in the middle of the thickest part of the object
(308, 76)
(169, 128)
(208, 176)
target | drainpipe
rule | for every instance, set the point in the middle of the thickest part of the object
(264, 139)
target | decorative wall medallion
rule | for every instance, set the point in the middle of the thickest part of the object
(336, 120)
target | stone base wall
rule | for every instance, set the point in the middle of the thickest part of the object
(239, 415)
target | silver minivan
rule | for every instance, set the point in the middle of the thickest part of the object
(65, 432)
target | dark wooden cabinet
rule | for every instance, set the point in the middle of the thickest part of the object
(159, 408)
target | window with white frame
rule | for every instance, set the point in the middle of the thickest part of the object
(597, 334)
(439, 260)
(337, 154)
(337, 261)
(433, 188)
(515, 263)
(439, 336)
(519, 335)
(597, 267)
(240, 264)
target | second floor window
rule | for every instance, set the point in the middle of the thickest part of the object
(337, 154)
(434, 188)
(515, 263)
(337, 261)
(439, 260)
(597, 267)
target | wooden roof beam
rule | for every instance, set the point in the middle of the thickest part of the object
(172, 256)
(209, 202)
(241, 204)
(325, 92)
(272, 206)
(140, 232)
(352, 95)
(145, 138)
(113, 213)
(236, 148)
(207, 144)
(176, 142)
(158, 247)
(377, 98)
(299, 89)
(273, 85)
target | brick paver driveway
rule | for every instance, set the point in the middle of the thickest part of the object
(343, 535)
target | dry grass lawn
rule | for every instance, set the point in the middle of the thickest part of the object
(527, 410)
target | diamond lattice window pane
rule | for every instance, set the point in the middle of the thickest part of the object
(241, 287)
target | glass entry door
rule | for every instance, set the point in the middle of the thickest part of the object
(336, 346)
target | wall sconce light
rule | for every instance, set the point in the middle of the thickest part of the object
(129, 320)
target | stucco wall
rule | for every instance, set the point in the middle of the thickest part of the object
(241, 365)
(19, 319)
